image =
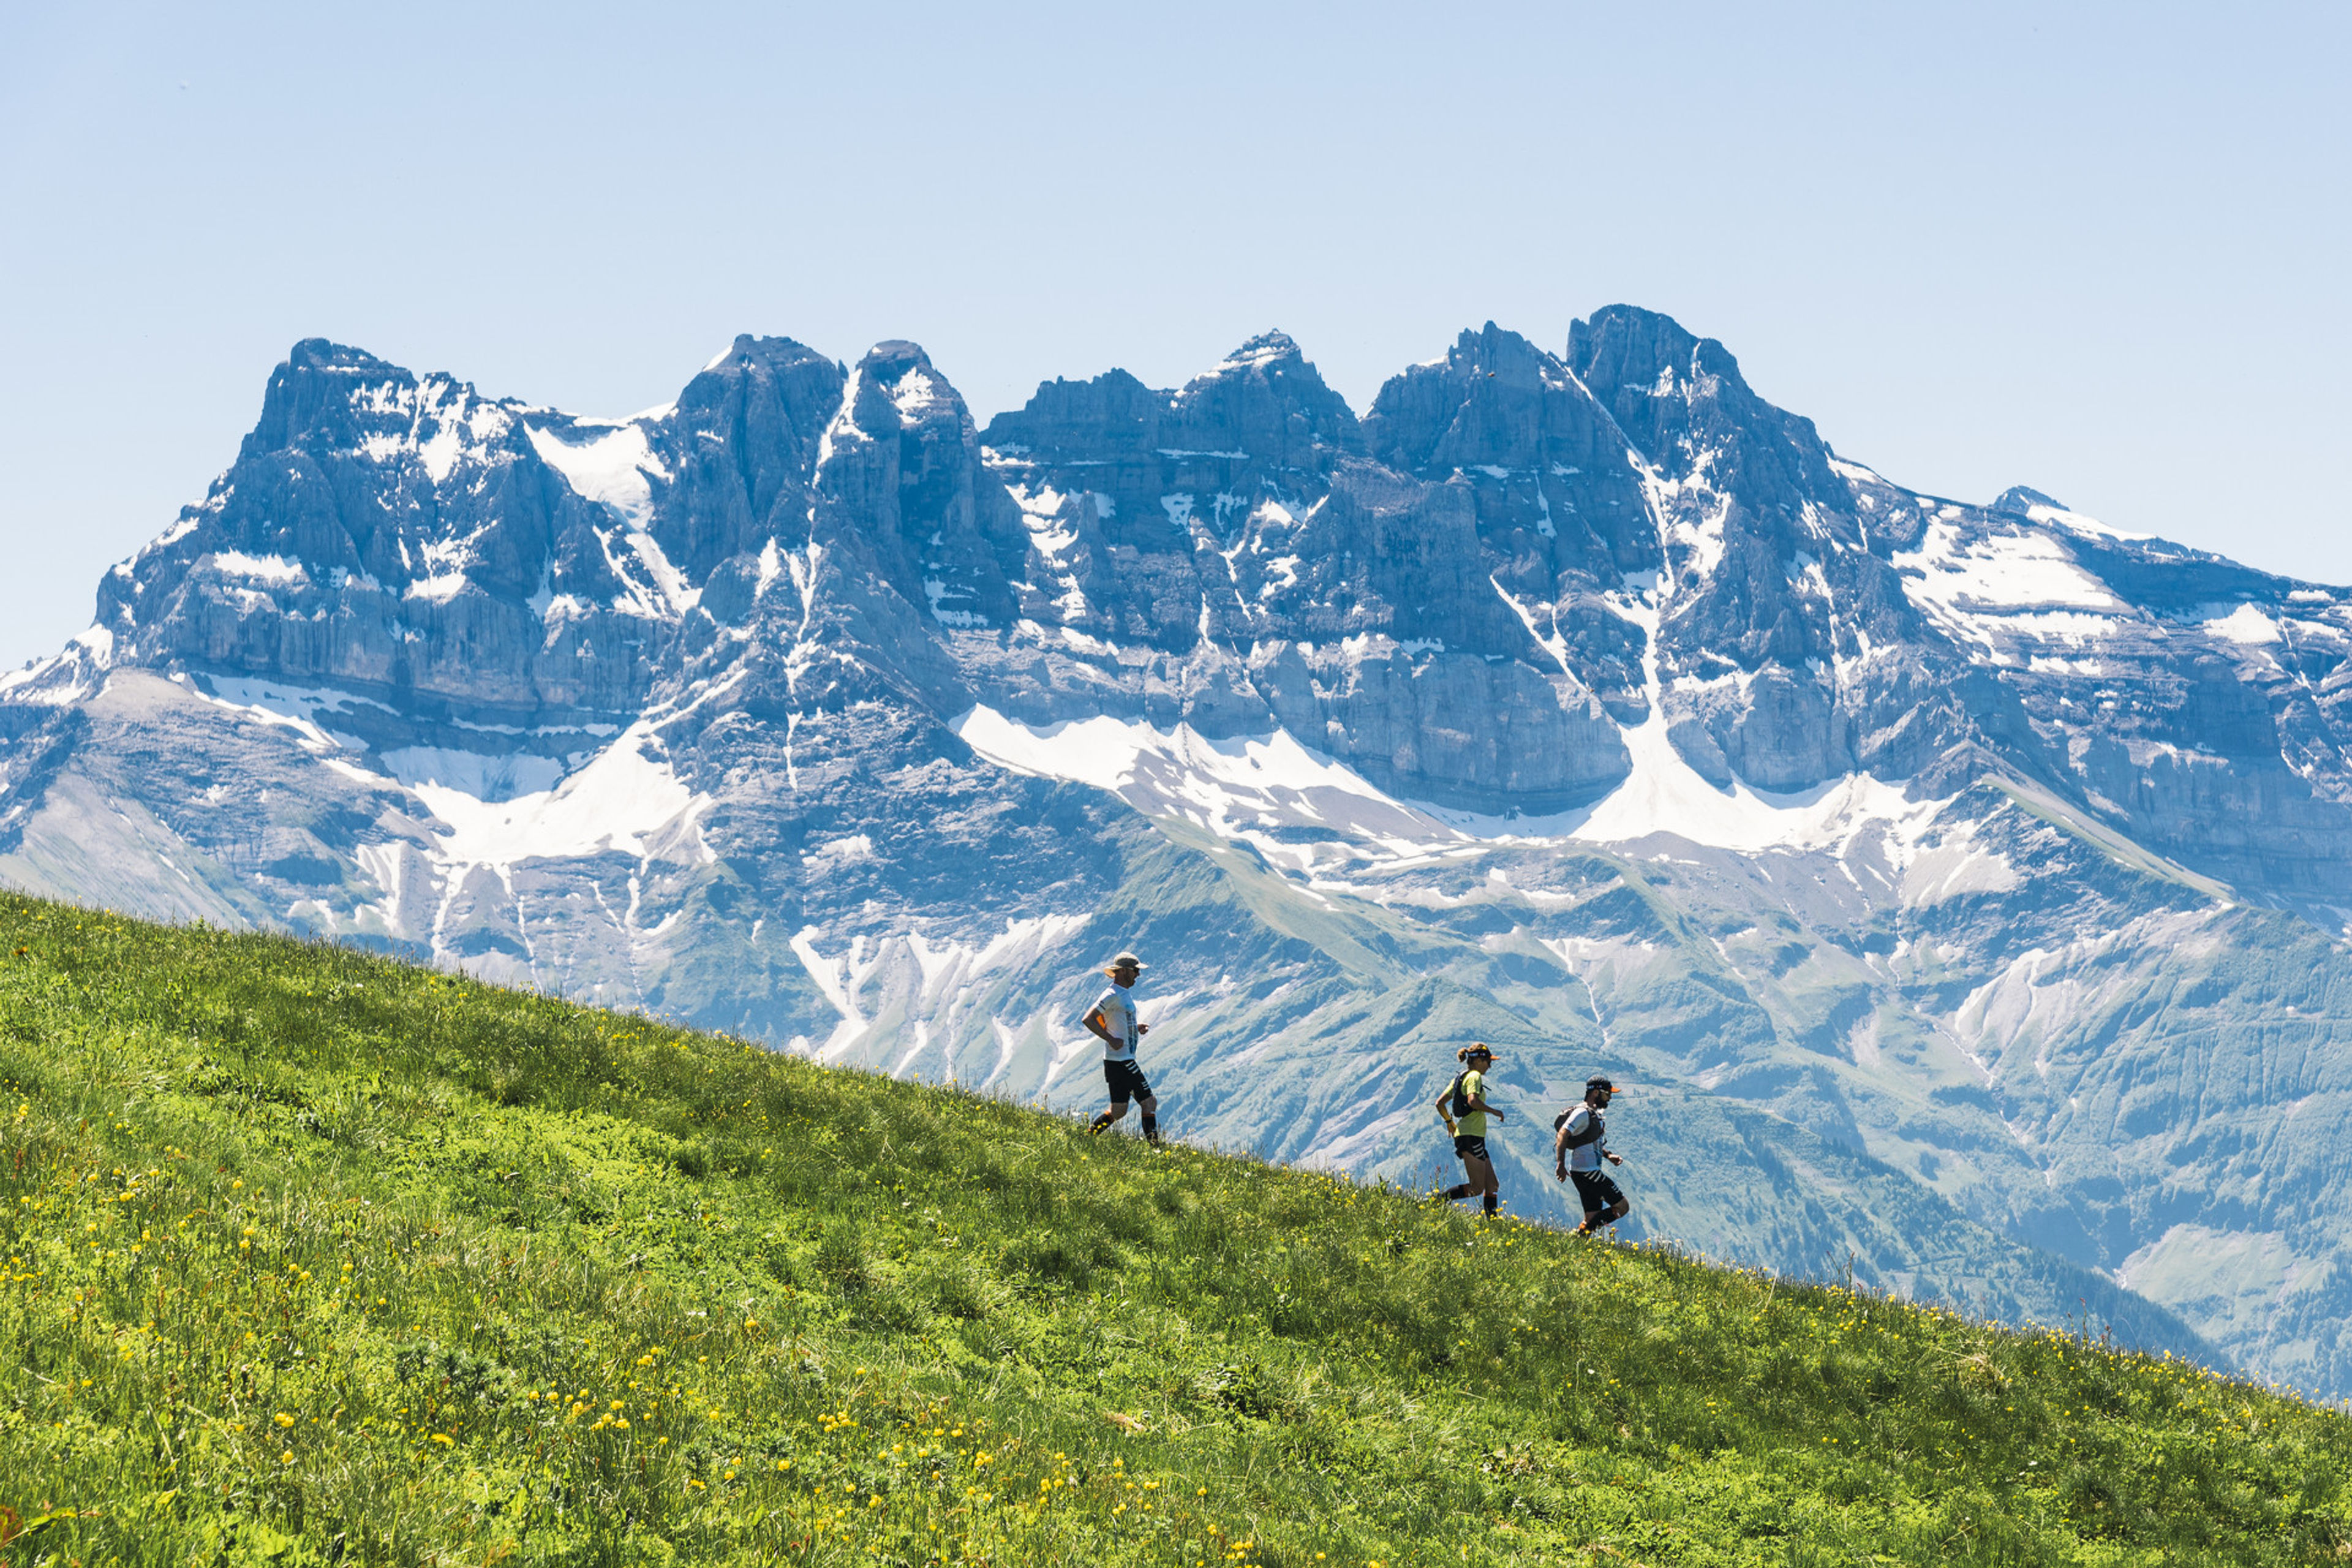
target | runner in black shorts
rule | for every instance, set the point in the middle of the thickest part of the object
(1581, 1145)
(1465, 1110)
(1112, 1021)
(1127, 1082)
(1603, 1200)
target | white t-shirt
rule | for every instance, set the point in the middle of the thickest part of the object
(1584, 1156)
(1118, 1009)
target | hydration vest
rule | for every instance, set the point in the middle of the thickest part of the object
(1592, 1133)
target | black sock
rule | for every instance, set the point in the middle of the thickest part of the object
(1491, 1200)
(1101, 1121)
(1456, 1192)
(1152, 1128)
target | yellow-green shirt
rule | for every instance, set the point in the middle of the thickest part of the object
(1473, 1124)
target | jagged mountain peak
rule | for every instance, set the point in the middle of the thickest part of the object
(326, 396)
(1476, 357)
(1625, 347)
(901, 373)
(751, 350)
(327, 355)
(741, 446)
(1498, 351)
(2020, 499)
(1266, 401)
(905, 371)
(1547, 474)
(1111, 412)
(1266, 349)
(894, 357)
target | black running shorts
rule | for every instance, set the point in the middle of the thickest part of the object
(1469, 1148)
(1596, 1191)
(1127, 1082)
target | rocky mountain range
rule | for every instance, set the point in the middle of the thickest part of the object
(1962, 887)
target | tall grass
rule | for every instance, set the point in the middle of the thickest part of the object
(313, 1257)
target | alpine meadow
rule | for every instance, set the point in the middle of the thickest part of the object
(314, 1256)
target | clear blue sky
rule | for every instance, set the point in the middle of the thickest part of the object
(2099, 249)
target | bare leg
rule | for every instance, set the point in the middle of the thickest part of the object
(1483, 1179)
(1481, 1184)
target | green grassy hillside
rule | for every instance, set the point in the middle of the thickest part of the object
(312, 1257)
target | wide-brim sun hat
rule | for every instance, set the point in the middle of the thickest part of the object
(1124, 961)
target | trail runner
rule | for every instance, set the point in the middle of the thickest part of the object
(1464, 1110)
(1112, 1021)
(1579, 1148)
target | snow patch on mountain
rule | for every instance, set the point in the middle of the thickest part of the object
(916, 394)
(1664, 795)
(1244, 787)
(464, 428)
(439, 588)
(1953, 576)
(615, 469)
(309, 710)
(945, 991)
(2245, 625)
(1228, 786)
(626, 795)
(2060, 517)
(274, 569)
(837, 979)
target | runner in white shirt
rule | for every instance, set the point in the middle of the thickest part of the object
(1112, 1021)
(1579, 1148)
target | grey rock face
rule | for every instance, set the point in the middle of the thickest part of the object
(1585, 701)
(1773, 590)
(1225, 556)
(739, 448)
(1561, 516)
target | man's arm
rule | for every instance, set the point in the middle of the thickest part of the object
(1093, 1023)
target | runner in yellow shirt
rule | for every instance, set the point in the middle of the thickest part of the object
(1464, 1110)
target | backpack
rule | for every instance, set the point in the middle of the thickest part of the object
(1457, 1099)
(1592, 1128)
